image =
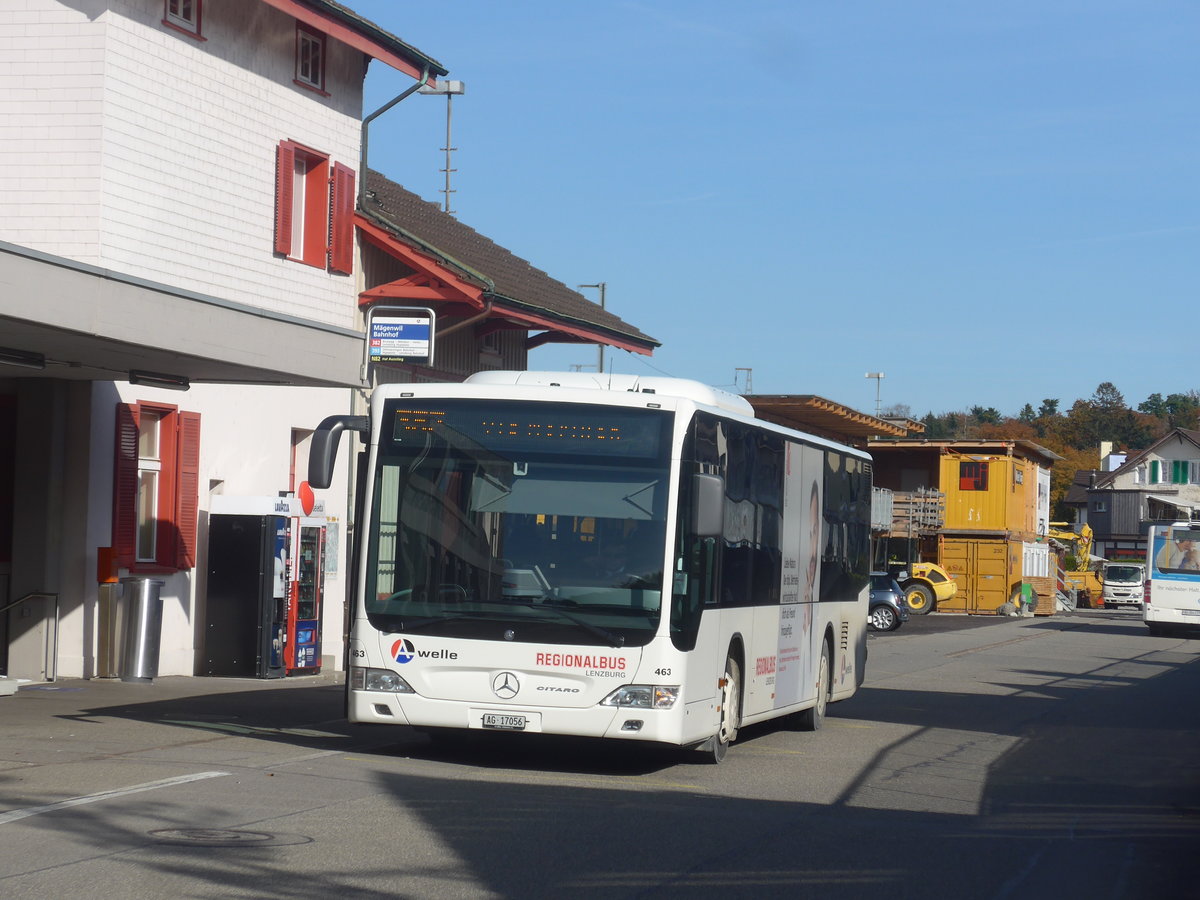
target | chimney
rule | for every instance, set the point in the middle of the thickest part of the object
(1106, 447)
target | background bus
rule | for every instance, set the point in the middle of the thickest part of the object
(1172, 593)
(611, 557)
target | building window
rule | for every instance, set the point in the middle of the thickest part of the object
(149, 469)
(1099, 506)
(972, 476)
(183, 14)
(156, 487)
(314, 213)
(310, 58)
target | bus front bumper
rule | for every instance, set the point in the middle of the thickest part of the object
(626, 723)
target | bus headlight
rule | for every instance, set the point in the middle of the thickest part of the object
(643, 696)
(382, 680)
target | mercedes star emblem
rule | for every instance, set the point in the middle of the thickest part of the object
(505, 685)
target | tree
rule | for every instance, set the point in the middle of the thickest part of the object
(1107, 398)
(1048, 409)
(989, 416)
(1062, 476)
(1183, 410)
(1154, 405)
(1027, 415)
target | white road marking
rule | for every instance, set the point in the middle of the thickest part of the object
(15, 814)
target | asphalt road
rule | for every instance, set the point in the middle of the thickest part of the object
(984, 758)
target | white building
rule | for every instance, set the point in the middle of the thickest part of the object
(176, 209)
(179, 209)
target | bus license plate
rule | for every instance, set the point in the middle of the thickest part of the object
(503, 722)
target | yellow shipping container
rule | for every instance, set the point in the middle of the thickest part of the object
(988, 492)
(986, 570)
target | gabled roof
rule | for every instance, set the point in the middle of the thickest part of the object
(1105, 479)
(476, 271)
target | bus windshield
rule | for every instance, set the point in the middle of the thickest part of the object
(525, 521)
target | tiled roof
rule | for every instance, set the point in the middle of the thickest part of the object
(506, 276)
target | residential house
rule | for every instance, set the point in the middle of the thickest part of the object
(1158, 485)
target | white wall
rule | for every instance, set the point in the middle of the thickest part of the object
(129, 145)
(52, 77)
(245, 444)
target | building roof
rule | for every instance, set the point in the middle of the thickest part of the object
(808, 412)
(515, 287)
(1012, 446)
(1076, 494)
(347, 26)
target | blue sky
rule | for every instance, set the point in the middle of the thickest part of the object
(990, 203)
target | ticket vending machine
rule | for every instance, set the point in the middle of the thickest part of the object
(265, 587)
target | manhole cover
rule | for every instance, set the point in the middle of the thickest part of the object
(211, 837)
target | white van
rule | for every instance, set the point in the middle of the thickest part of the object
(1172, 591)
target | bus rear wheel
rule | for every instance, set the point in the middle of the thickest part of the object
(731, 712)
(814, 717)
(919, 598)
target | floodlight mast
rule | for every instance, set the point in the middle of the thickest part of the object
(601, 286)
(878, 376)
(449, 88)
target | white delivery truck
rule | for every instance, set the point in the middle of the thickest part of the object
(1172, 590)
(1122, 584)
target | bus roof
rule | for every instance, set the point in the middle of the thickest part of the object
(669, 387)
(650, 389)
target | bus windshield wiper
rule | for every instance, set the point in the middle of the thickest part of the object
(612, 639)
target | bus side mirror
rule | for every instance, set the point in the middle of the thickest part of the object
(322, 451)
(708, 512)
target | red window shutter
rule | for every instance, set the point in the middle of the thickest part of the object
(187, 498)
(125, 485)
(341, 220)
(285, 167)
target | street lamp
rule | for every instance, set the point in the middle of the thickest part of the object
(878, 376)
(602, 286)
(449, 88)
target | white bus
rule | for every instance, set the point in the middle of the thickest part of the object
(600, 556)
(1171, 600)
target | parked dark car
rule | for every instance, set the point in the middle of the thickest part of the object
(888, 608)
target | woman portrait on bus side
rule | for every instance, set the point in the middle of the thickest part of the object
(814, 557)
(1180, 554)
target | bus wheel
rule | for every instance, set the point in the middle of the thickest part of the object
(731, 712)
(812, 719)
(919, 597)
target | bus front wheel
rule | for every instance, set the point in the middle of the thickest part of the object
(730, 713)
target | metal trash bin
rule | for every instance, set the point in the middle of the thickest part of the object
(142, 611)
(108, 628)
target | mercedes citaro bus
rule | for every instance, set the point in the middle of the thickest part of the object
(599, 555)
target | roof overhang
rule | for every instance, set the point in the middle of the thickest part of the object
(1171, 500)
(342, 25)
(95, 324)
(1027, 449)
(808, 412)
(443, 280)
